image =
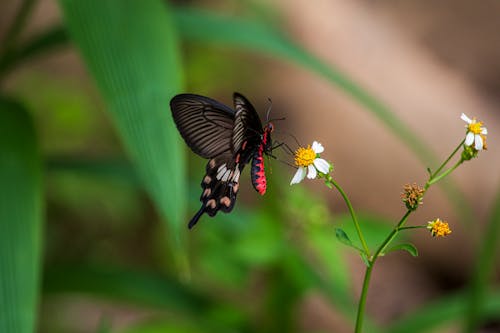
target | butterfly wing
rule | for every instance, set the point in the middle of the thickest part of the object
(205, 124)
(207, 128)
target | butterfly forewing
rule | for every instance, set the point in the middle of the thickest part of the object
(205, 124)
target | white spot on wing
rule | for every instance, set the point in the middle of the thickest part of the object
(221, 171)
(236, 176)
(226, 175)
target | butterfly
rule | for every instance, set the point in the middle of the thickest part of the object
(229, 139)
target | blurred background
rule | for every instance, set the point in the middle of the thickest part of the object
(103, 243)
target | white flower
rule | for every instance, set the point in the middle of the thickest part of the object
(476, 133)
(309, 163)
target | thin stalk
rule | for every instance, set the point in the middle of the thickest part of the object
(413, 227)
(362, 299)
(448, 159)
(368, 273)
(353, 215)
(391, 236)
(444, 174)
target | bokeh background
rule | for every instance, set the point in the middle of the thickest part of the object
(93, 214)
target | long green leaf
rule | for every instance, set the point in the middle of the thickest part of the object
(485, 265)
(20, 219)
(444, 311)
(126, 285)
(130, 48)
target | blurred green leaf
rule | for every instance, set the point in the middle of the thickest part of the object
(130, 48)
(445, 310)
(164, 326)
(487, 256)
(106, 168)
(132, 286)
(20, 219)
(408, 247)
(342, 237)
(42, 43)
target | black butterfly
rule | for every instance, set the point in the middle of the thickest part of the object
(229, 139)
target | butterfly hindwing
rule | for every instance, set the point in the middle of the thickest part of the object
(220, 186)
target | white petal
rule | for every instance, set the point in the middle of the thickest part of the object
(317, 147)
(299, 176)
(484, 131)
(469, 139)
(312, 172)
(478, 142)
(322, 165)
(465, 118)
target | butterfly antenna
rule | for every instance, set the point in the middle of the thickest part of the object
(290, 135)
(269, 109)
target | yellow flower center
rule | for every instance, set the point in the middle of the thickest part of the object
(475, 127)
(304, 156)
(439, 228)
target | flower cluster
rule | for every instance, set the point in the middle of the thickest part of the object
(412, 196)
(438, 228)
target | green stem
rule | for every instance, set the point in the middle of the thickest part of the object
(413, 227)
(435, 179)
(391, 236)
(353, 215)
(447, 160)
(368, 273)
(362, 299)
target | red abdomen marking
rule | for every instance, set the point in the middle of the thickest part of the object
(258, 174)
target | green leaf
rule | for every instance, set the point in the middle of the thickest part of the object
(20, 219)
(487, 256)
(435, 315)
(408, 247)
(130, 48)
(126, 285)
(342, 237)
(42, 43)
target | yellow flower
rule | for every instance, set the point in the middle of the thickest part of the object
(438, 228)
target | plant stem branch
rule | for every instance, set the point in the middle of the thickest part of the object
(353, 215)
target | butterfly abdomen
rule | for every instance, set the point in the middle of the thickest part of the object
(258, 174)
